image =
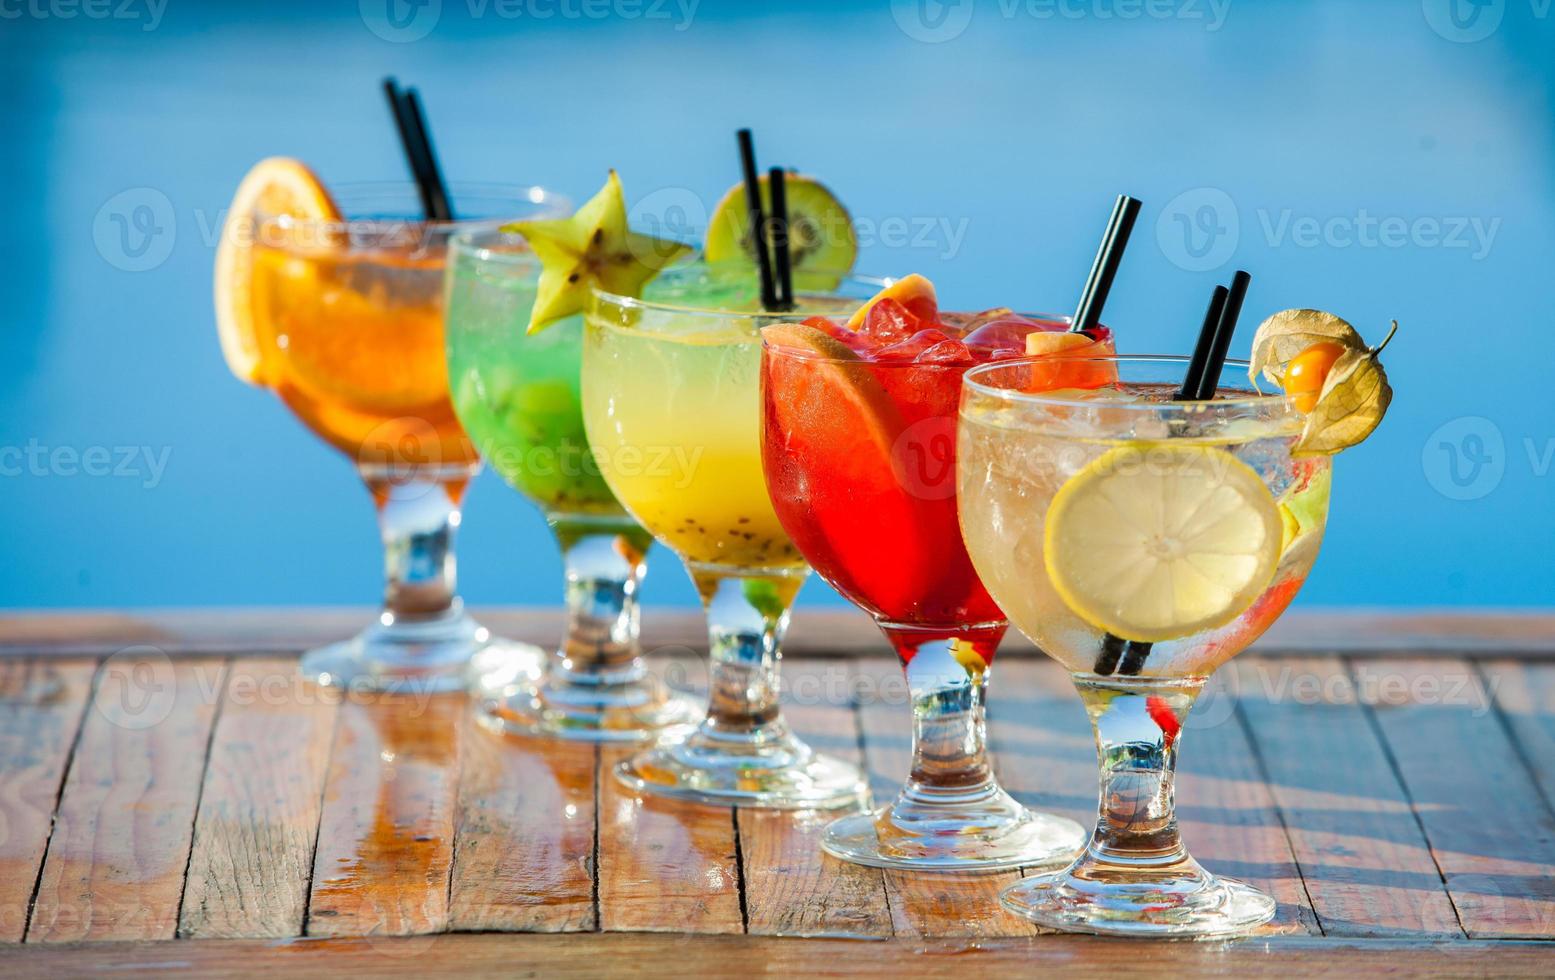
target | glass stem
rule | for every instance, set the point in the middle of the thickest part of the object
(947, 677)
(747, 615)
(1139, 725)
(605, 563)
(417, 519)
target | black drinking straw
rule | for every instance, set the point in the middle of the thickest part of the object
(1086, 317)
(758, 221)
(416, 139)
(1200, 357)
(1108, 257)
(1209, 381)
(1199, 383)
(442, 210)
(783, 269)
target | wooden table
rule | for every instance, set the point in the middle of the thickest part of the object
(173, 797)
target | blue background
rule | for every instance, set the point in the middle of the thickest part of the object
(1264, 135)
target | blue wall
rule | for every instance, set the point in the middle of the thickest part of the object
(1274, 136)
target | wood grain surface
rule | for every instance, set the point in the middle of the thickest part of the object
(175, 808)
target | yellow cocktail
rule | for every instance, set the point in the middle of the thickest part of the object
(671, 402)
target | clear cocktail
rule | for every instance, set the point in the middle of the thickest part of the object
(1142, 542)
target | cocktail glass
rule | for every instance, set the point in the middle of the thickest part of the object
(860, 456)
(671, 403)
(518, 397)
(1142, 542)
(348, 316)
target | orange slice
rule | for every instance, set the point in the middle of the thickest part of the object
(914, 292)
(1069, 373)
(275, 187)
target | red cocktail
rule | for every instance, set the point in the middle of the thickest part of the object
(858, 446)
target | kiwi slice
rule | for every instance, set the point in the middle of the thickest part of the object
(820, 232)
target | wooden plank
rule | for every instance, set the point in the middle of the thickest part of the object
(1367, 867)
(259, 809)
(664, 865)
(1491, 832)
(386, 833)
(1227, 813)
(648, 955)
(1044, 751)
(815, 632)
(115, 866)
(524, 838)
(792, 887)
(926, 906)
(1524, 693)
(41, 704)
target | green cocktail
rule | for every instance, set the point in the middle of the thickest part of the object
(517, 396)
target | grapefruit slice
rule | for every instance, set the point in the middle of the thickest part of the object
(837, 374)
(275, 187)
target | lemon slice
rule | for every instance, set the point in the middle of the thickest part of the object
(1156, 542)
(274, 187)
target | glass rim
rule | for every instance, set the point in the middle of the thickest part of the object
(974, 386)
(605, 297)
(463, 242)
(798, 354)
(532, 194)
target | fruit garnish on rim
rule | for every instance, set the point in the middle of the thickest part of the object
(594, 247)
(1333, 376)
(277, 187)
(913, 292)
(821, 238)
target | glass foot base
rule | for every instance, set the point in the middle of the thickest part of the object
(995, 834)
(1185, 902)
(782, 775)
(517, 697)
(412, 658)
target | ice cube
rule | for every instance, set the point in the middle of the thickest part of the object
(889, 322)
(949, 351)
(910, 348)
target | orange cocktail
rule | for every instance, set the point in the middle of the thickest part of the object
(352, 341)
(342, 317)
